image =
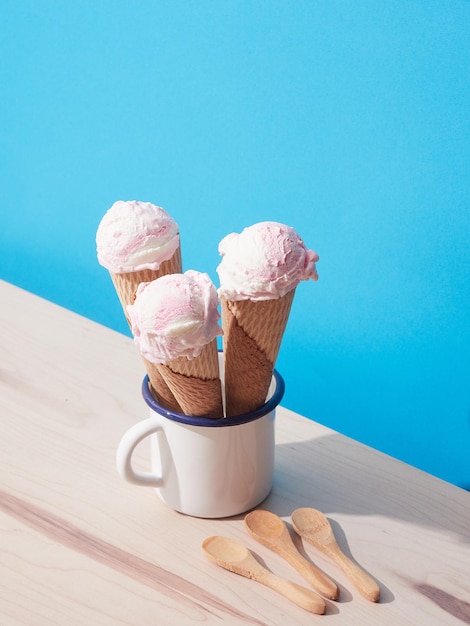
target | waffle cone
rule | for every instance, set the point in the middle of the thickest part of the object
(253, 333)
(159, 389)
(195, 383)
(126, 284)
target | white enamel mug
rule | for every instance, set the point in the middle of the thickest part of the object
(205, 467)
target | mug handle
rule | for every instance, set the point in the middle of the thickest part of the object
(126, 447)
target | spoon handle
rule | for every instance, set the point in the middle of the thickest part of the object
(365, 584)
(303, 597)
(312, 574)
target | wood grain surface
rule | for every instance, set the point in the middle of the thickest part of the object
(80, 546)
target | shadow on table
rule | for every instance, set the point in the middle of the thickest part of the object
(336, 474)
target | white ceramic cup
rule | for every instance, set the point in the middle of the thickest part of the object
(205, 467)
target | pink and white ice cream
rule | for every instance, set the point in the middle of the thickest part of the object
(264, 262)
(134, 236)
(175, 316)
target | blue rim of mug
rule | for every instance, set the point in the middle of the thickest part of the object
(234, 420)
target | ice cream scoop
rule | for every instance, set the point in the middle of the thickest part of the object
(174, 320)
(264, 262)
(175, 316)
(134, 236)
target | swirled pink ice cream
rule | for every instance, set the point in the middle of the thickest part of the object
(264, 262)
(134, 236)
(175, 315)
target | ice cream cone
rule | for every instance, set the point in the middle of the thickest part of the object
(127, 283)
(175, 324)
(253, 333)
(138, 242)
(195, 383)
(259, 272)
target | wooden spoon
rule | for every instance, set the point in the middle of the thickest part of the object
(272, 532)
(313, 526)
(235, 557)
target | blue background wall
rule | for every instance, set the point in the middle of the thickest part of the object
(346, 120)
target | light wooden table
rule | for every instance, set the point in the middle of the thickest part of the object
(80, 546)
